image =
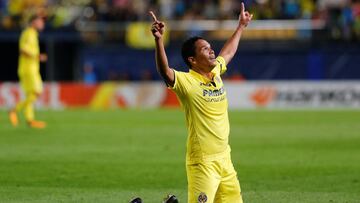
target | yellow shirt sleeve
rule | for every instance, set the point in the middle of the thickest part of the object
(181, 85)
(221, 66)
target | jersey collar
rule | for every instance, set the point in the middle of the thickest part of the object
(33, 30)
(201, 77)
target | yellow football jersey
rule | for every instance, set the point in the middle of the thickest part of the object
(29, 67)
(205, 104)
(29, 43)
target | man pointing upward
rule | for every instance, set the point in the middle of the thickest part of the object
(210, 172)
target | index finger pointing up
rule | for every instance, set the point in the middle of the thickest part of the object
(153, 16)
(242, 10)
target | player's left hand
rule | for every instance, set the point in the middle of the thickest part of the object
(244, 17)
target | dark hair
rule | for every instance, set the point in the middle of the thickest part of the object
(35, 17)
(188, 49)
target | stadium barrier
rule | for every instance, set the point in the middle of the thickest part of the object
(241, 95)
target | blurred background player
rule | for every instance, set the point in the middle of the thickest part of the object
(210, 171)
(29, 72)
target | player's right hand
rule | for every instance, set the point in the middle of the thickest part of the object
(244, 17)
(158, 27)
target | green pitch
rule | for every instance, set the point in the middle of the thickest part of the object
(85, 156)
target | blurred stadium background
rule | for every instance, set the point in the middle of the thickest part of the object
(296, 54)
(93, 41)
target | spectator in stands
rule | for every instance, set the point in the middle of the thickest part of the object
(341, 15)
(89, 74)
(307, 8)
(290, 9)
(356, 14)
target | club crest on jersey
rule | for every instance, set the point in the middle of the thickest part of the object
(202, 198)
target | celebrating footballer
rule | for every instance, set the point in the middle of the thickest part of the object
(210, 172)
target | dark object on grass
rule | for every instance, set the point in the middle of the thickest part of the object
(171, 199)
(136, 200)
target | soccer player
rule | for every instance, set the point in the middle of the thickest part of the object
(29, 72)
(210, 172)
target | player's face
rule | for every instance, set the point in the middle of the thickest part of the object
(204, 55)
(39, 24)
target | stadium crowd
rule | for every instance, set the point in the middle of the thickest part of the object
(342, 16)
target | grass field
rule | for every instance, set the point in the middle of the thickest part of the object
(85, 156)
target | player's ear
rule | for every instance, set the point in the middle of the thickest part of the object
(191, 59)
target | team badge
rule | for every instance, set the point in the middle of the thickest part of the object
(202, 198)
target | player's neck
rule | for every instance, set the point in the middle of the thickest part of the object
(205, 73)
(34, 28)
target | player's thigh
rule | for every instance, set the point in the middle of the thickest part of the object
(38, 85)
(25, 82)
(229, 191)
(203, 181)
(229, 188)
(31, 83)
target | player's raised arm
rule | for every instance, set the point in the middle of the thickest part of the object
(231, 45)
(162, 65)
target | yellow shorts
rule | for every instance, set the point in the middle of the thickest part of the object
(214, 181)
(31, 82)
